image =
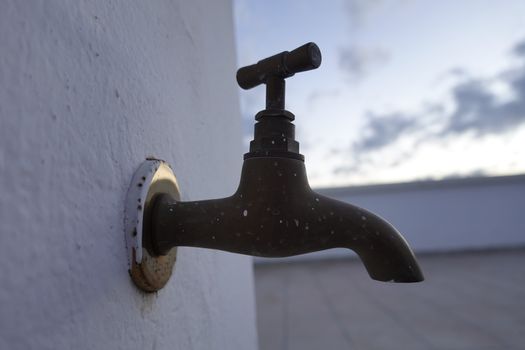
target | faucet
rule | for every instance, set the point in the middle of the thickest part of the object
(274, 212)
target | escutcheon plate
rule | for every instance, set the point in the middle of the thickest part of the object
(153, 177)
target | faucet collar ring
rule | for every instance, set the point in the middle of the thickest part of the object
(283, 113)
(273, 153)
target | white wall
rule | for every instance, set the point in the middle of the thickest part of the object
(88, 90)
(456, 214)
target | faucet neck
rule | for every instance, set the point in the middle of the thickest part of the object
(274, 136)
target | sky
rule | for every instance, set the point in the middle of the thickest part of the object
(407, 91)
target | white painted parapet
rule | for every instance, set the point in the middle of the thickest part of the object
(88, 91)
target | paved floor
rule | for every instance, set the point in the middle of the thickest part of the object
(468, 301)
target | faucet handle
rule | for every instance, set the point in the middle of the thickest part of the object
(282, 65)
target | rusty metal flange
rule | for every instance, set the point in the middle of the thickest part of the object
(153, 177)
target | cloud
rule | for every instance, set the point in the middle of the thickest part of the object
(519, 49)
(383, 130)
(478, 110)
(359, 10)
(454, 74)
(457, 72)
(358, 62)
(319, 94)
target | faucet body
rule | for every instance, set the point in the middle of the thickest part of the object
(275, 213)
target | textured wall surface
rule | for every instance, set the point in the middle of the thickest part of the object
(88, 90)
